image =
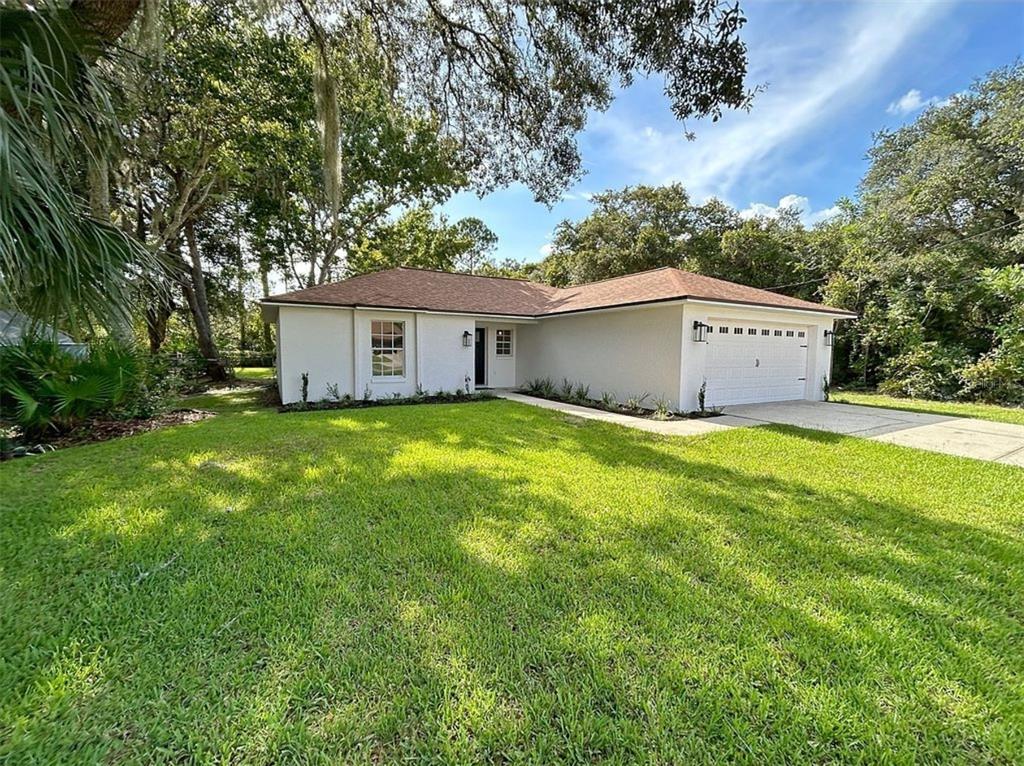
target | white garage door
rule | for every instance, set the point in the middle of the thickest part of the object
(755, 362)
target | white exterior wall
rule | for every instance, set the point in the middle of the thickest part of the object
(694, 354)
(333, 346)
(317, 341)
(624, 351)
(500, 371)
(445, 362)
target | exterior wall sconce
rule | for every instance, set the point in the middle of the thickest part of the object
(467, 339)
(830, 337)
(700, 331)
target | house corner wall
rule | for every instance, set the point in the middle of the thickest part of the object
(317, 341)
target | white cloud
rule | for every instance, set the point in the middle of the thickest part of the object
(807, 216)
(809, 83)
(910, 102)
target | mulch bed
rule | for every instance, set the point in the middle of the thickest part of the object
(104, 430)
(643, 413)
(358, 404)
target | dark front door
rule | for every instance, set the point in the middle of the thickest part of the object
(481, 355)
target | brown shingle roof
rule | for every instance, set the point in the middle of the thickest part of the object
(405, 288)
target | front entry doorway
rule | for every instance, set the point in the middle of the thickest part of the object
(481, 356)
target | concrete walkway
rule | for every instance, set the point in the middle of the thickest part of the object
(967, 437)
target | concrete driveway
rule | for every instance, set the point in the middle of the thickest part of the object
(981, 439)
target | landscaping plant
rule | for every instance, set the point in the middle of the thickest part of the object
(44, 389)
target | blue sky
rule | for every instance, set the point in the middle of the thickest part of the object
(834, 74)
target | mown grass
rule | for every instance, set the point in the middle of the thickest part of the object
(497, 583)
(960, 409)
(261, 374)
(236, 399)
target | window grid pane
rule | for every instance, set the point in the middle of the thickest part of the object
(503, 342)
(387, 342)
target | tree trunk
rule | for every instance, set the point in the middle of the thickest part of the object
(195, 293)
(268, 340)
(242, 335)
(159, 308)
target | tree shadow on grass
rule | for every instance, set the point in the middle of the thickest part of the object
(384, 585)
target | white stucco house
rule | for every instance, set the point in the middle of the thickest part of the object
(662, 332)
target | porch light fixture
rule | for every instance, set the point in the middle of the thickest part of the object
(700, 331)
(830, 337)
(467, 339)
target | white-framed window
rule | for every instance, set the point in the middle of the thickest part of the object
(503, 342)
(387, 347)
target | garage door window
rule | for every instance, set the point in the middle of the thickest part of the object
(387, 344)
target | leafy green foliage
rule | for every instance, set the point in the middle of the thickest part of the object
(59, 260)
(418, 240)
(512, 83)
(43, 388)
(933, 253)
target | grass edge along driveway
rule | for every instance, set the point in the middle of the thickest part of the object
(993, 412)
(493, 582)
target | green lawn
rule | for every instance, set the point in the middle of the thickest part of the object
(491, 582)
(262, 374)
(960, 409)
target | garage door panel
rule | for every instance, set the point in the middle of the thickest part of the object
(767, 365)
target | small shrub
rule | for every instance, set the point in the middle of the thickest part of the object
(826, 388)
(43, 388)
(662, 409)
(609, 401)
(565, 392)
(538, 386)
(547, 389)
(581, 394)
(305, 387)
(997, 377)
(636, 403)
(702, 395)
(927, 371)
(367, 393)
(333, 392)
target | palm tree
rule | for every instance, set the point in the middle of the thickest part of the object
(60, 257)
